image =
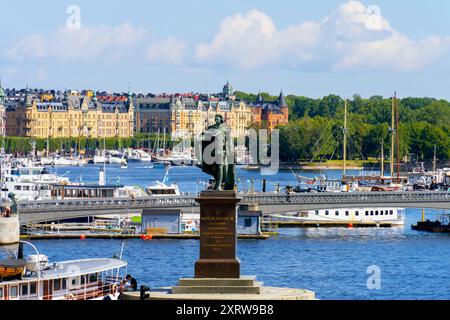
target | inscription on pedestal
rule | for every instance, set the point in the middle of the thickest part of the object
(218, 235)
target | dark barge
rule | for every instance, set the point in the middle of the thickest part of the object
(441, 225)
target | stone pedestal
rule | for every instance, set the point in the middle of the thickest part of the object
(218, 235)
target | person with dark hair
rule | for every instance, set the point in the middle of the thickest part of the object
(131, 283)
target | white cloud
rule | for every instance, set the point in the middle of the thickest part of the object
(170, 50)
(88, 42)
(353, 38)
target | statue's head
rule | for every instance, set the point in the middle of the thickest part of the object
(218, 119)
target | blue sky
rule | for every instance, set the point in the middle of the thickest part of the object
(310, 48)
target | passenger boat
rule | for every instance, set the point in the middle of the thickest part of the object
(344, 217)
(34, 278)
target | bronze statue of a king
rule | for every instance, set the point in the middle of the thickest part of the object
(218, 155)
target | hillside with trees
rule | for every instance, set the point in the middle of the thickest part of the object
(315, 127)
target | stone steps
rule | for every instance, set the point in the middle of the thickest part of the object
(242, 285)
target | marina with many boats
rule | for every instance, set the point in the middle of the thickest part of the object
(28, 179)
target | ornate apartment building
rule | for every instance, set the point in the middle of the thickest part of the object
(183, 117)
(72, 116)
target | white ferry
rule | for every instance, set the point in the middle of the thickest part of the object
(346, 216)
(34, 278)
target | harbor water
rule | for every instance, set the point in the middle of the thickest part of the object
(336, 263)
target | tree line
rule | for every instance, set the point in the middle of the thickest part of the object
(315, 129)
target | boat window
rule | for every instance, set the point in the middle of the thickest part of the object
(317, 211)
(376, 212)
(1, 293)
(32, 288)
(17, 187)
(24, 290)
(386, 212)
(336, 212)
(346, 213)
(391, 211)
(83, 280)
(64, 284)
(381, 212)
(371, 213)
(247, 222)
(326, 212)
(367, 213)
(56, 284)
(93, 278)
(13, 292)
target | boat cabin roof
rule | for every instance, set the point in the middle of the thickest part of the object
(74, 268)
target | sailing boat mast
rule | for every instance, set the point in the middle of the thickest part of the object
(434, 159)
(345, 140)
(392, 138)
(382, 159)
(397, 138)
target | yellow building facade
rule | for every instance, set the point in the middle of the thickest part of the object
(74, 116)
(185, 117)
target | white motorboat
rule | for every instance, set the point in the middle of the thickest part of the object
(162, 188)
(101, 159)
(138, 156)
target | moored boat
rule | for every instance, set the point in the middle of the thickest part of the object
(84, 279)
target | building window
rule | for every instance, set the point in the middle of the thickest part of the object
(247, 222)
(24, 290)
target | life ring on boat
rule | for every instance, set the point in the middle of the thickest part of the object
(189, 222)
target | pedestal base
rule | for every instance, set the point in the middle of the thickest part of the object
(217, 268)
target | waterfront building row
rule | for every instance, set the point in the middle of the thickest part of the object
(71, 113)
